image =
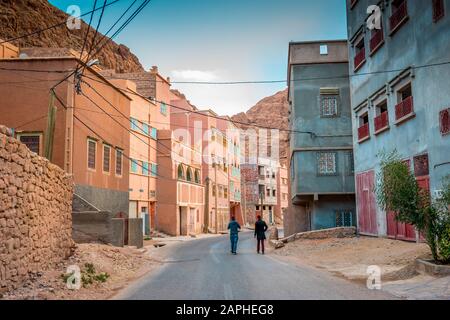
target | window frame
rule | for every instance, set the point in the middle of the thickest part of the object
(95, 142)
(38, 134)
(119, 151)
(324, 97)
(106, 146)
(326, 174)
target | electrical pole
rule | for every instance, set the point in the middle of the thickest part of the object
(215, 200)
(50, 132)
(206, 211)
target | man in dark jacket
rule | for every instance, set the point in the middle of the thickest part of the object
(234, 228)
(260, 233)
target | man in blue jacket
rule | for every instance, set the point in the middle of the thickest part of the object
(234, 228)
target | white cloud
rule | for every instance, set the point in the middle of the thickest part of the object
(194, 75)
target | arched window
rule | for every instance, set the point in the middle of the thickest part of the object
(180, 172)
(189, 175)
(197, 176)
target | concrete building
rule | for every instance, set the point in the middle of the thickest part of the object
(179, 185)
(143, 155)
(405, 109)
(282, 194)
(321, 159)
(94, 156)
(260, 190)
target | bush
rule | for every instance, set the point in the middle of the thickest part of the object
(397, 191)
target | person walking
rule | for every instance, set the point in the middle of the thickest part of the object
(260, 233)
(234, 228)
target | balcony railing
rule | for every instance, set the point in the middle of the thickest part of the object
(360, 58)
(444, 117)
(382, 121)
(404, 108)
(399, 16)
(376, 40)
(363, 132)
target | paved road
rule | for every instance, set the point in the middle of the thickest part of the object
(205, 270)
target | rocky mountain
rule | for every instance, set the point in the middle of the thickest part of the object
(271, 112)
(18, 17)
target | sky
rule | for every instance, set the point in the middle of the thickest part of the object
(221, 40)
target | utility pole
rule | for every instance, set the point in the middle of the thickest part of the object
(50, 132)
(262, 207)
(215, 200)
(206, 211)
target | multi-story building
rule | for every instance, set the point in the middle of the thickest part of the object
(78, 136)
(400, 99)
(321, 159)
(142, 153)
(282, 194)
(259, 185)
(179, 185)
(233, 159)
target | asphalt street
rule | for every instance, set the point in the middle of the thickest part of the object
(205, 269)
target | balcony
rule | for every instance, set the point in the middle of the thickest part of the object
(404, 110)
(363, 133)
(399, 16)
(376, 41)
(438, 10)
(444, 119)
(381, 122)
(360, 58)
(352, 3)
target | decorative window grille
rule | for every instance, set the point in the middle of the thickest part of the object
(344, 218)
(326, 163)
(119, 156)
(92, 149)
(329, 106)
(106, 158)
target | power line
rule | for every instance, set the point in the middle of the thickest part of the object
(53, 26)
(98, 26)
(87, 30)
(345, 76)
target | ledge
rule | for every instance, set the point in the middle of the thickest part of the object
(405, 118)
(401, 23)
(376, 48)
(430, 268)
(364, 139)
(382, 130)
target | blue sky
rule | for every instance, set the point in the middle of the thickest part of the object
(222, 40)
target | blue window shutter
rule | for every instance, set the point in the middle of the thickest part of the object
(154, 133)
(145, 168)
(145, 129)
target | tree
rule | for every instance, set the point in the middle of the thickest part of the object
(397, 191)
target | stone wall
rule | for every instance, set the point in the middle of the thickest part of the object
(35, 212)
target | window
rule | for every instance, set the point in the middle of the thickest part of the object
(154, 170)
(268, 192)
(421, 166)
(180, 172)
(260, 190)
(225, 192)
(261, 170)
(381, 120)
(360, 54)
(328, 105)
(438, 10)
(377, 38)
(32, 141)
(273, 175)
(444, 120)
(197, 176)
(214, 190)
(119, 156)
(106, 158)
(145, 129)
(220, 194)
(326, 163)
(134, 166)
(92, 150)
(344, 218)
(134, 124)
(189, 175)
(145, 170)
(323, 49)
(154, 133)
(405, 107)
(274, 193)
(257, 208)
(363, 130)
(399, 14)
(163, 109)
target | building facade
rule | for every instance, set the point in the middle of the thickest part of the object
(282, 194)
(321, 163)
(394, 107)
(87, 143)
(179, 185)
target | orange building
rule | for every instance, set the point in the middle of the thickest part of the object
(180, 189)
(87, 143)
(282, 194)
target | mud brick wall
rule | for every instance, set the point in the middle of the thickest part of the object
(35, 212)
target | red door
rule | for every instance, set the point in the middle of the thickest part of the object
(367, 214)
